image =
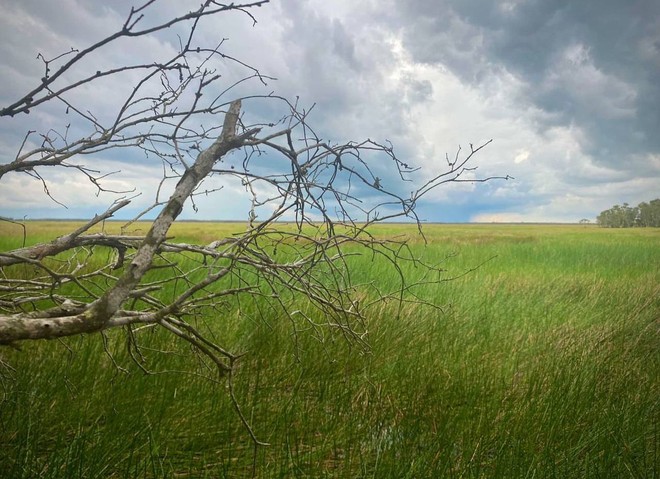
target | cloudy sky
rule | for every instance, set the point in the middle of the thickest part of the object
(569, 91)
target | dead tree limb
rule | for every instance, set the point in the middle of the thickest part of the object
(177, 114)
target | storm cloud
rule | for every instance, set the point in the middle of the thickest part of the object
(569, 92)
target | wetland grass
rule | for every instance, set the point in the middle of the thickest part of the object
(544, 362)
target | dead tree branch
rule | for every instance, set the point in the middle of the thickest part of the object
(88, 281)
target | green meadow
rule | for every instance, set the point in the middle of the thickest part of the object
(543, 362)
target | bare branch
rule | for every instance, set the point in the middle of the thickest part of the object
(177, 111)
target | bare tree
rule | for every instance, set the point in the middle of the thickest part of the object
(89, 282)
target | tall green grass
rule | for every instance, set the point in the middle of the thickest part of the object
(544, 362)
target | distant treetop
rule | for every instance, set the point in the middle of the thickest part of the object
(626, 216)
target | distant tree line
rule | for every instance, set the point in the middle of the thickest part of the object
(626, 216)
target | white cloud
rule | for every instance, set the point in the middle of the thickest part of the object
(521, 155)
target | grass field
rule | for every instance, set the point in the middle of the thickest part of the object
(544, 363)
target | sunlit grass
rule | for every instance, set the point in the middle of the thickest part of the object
(543, 363)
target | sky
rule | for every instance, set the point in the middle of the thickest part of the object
(569, 92)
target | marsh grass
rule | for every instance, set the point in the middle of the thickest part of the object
(543, 363)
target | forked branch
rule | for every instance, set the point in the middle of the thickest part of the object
(312, 205)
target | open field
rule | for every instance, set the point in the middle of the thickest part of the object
(545, 362)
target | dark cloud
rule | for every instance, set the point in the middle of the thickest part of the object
(344, 47)
(593, 64)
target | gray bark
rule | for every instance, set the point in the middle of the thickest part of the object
(70, 318)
